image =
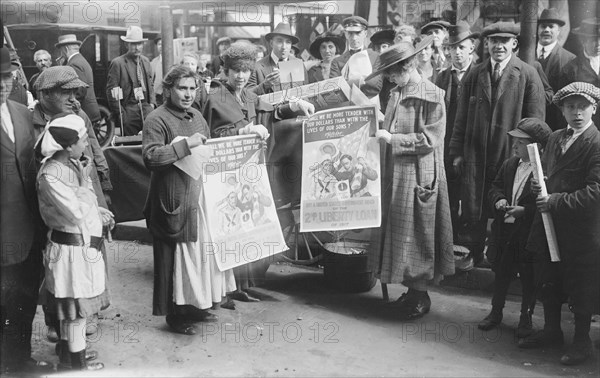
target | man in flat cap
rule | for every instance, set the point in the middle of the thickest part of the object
(223, 44)
(461, 42)
(21, 231)
(496, 94)
(553, 59)
(439, 30)
(131, 72)
(266, 78)
(69, 49)
(357, 62)
(57, 89)
(571, 163)
(586, 66)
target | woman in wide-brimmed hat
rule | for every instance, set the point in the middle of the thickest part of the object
(414, 244)
(325, 47)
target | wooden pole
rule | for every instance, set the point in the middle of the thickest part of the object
(527, 40)
(166, 29)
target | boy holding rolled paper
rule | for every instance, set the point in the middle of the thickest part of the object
(572, 166)
(514, 208)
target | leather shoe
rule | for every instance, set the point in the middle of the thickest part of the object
(197, 316)
(30, 366)
(525, 326)
(416, 306)
(491, 321)
(541, 339)
(228, 304)
(577, 353)
(52, 335)
(242, 296)
(179, 325)
(400, 302)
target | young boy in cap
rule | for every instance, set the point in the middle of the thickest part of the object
(572, 166)
(514, 209)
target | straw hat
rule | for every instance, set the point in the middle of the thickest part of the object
(397, 53)
(67, 39)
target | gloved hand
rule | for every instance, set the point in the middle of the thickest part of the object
(259, 130)
(302, 106)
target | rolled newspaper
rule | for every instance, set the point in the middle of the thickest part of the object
(538, 174)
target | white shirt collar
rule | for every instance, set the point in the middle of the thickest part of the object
(454, 68)
(275, 58)
(594, 62)
(578, 132)
(503, 63)
(547, 49)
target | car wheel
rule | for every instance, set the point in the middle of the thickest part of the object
(105, 127)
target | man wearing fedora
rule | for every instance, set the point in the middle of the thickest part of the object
(133, 74)
(265, 78)
(325, 48)
(357, 62)
(496, 95)
(461, 42)
(553, 59)
(586, 66)
(69, 49)
(439, 30)
(21, 232)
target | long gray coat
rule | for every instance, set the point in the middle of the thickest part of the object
(480, 127)
(415, 239)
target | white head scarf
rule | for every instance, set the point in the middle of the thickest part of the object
(48, 144)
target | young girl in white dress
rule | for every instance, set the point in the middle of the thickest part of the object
(75, 269)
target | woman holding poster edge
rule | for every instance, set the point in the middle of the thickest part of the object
(414, 245)
(233, 110)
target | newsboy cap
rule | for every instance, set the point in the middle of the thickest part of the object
(355, 23)
(63, 77)
(589, 91)
(438, 24)
(501, 29)
(532, 128)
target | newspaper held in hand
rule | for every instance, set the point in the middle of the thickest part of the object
(291, 71)
(193, 164)
(538, 174)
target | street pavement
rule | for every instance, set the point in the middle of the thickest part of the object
(302, 327)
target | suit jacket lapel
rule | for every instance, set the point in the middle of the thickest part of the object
(508, 78)
(575, 150)
(485, 82)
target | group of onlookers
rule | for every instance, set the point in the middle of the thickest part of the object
(454, 139)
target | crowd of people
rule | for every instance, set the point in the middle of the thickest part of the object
(460, 109)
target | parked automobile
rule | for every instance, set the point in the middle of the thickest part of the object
(101, 44)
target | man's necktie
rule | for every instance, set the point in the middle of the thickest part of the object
(352, 52)
(496, 74)
(542, 54)
(565, 139)
(140, 76)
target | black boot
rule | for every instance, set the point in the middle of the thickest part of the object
(416, 306)
(552, 334)
(78, 362)
(64, 357)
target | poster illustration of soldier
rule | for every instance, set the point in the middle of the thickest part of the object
(243, 225)
(341, 186)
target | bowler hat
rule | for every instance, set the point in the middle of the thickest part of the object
(579, 88)
(459, 32)
(550, 16)
(439, 24)
(63, 77)
(397, 53)
(501, 29)
(6, 65)
(354, 24)
(589, 27)
(134, 35)
(283, 29)
(338, 41)
(67, 39)
(532, 128)
(383, 36)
